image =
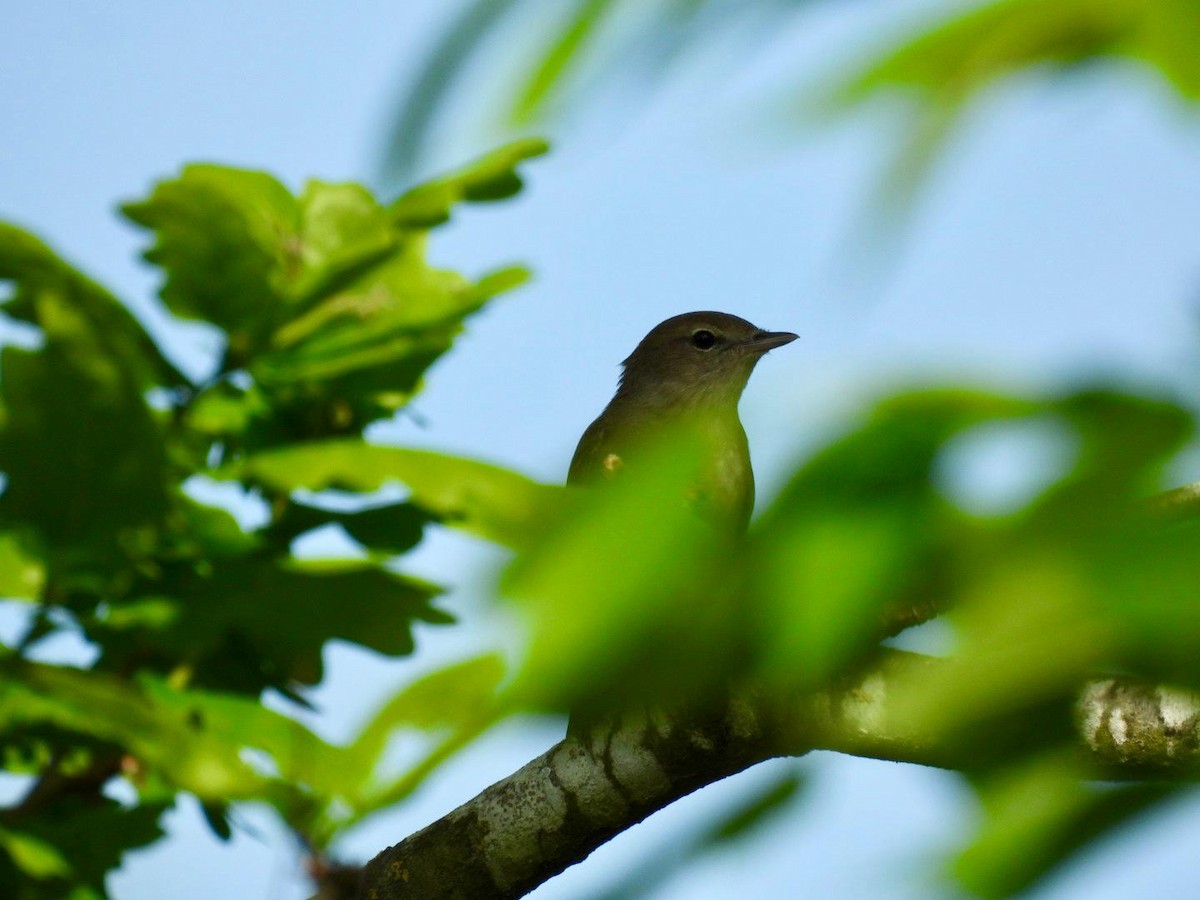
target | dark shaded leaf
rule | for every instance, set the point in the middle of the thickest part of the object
(246, 624)
(65, 304)
(84, 458)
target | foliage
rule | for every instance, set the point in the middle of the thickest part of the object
(948, 59)
(330, 318)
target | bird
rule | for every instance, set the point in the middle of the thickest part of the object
(688, 370)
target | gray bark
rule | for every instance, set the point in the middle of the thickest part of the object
(554, 811)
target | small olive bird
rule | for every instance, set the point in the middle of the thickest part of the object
(689, 370)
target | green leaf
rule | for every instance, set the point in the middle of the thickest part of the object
(66, 305)
(1038, 815)
(113, 710)
(245, 624)
(637, 583)
(564, 51)
(33, 856)
(85, 461)
(454, 704)
(228, 240)
(395, 528)
(827, 582)
(298, 757)
(861, 529)
(436, 78)
(342, 231)
(87, 837)
(953, 61)
(948, 66)
(458, 696)
(399, 307)
(492, 177)
(493, 503)
(756, 810)
(22, 575)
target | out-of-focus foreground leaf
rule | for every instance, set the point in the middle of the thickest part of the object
(949, 62)
(1078, 580)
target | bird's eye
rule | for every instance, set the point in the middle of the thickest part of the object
(703, 339)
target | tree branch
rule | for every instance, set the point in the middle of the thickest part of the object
(553, 812)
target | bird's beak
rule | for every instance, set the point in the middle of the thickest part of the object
(769, 340)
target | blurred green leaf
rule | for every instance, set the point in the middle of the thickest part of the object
(342, 231)
(394, 528)
(84, 457)
(458, 695)
(297, 757)
(492, 177)
(563, 52)
(66, 305)
(828, 582)
(636, 583)
(952, 64)
(756, 810)
(22, 575)
(34, 856)
(1028, 634)
(953, 61)
(752, 813)
(1037, 816)
(90, 838)
(393, 311)
(109, 708)
(861, 529)
(452, 705)
(493, 503)
(430, 88)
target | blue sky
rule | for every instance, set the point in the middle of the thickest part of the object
(1056, 240)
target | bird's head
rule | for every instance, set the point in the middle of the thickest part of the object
(696, 359)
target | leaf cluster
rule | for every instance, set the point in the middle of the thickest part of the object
(329, 317)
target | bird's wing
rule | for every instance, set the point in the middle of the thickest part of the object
(595, 459)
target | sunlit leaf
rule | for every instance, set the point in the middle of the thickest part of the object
(33, 855)
(106, 707)
(460, 694)
(227, 239)
(22, 575)
(295, 754)
(493, 177)
(488, 501)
